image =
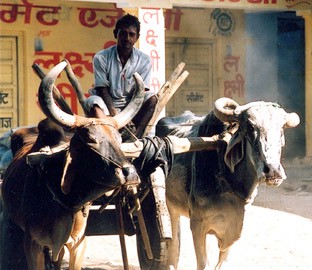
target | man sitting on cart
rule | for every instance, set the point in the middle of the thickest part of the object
(113, 76)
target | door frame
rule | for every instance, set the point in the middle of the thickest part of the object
(216, 69)
(21, 63)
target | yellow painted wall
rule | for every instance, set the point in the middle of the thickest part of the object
(69, 37)
(202, 23)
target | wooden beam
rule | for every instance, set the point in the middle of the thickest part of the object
(180, 145)
(165, 93)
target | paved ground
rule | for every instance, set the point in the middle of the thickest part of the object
(277, 235)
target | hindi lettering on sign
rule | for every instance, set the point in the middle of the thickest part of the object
(194, 97)
(176, 13)
(3, 97)
(44, 33)
(5, 122)
(9, 15)
(155, 85)
(152, 28)
(151, 16)
(231, 61)
(155, 60)
(53, 58)
(91, 17)
(151, 37)
(262, 1)
(78, 61)
(234, 87)
(45, 15)
(79, 64)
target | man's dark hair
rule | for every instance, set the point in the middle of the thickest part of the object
(128, 20)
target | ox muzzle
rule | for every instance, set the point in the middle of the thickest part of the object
(127, 175)
(273, 175)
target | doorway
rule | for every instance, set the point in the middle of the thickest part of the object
(275, 68)
(8, 83)
(199, 90)
(291, 77)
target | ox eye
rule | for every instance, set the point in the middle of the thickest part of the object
(251, 129)
(252, 133)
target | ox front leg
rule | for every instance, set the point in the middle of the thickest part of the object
(57, 265)
(77, 242)
(34, 253)
(199, 239)
(76, 254)
(222, 257)
(174, 244)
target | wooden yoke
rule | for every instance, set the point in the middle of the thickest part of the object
(180, 145)
(165, 93)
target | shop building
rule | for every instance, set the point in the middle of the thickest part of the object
(245, 49)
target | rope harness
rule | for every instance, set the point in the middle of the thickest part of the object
(157, 152)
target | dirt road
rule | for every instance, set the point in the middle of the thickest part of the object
(277, 235)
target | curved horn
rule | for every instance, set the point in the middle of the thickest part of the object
(224, 109)
(292, 120)
(76, 85)
(124, 117)
(46, 101)
(56, 93)
(245, 107)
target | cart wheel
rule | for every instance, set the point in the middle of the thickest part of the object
(159, 248)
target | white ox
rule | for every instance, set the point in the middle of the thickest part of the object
(212, 188)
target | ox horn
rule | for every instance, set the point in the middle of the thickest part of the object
(292, 120)
(245, 107)
(76, 85)
(66, 120)
(126, 115)
(224, 109)
(46, 101)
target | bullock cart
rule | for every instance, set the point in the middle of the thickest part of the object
(134, 200)
(142, 211)
(145, 213)
(134, 208)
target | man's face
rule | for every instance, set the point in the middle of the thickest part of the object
(126, 37)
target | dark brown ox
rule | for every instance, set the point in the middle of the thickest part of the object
(212, 188)
(49, 201)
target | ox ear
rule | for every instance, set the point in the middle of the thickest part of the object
(68, 175)
(235, 151)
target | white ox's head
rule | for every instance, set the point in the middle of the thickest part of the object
(260, 136)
